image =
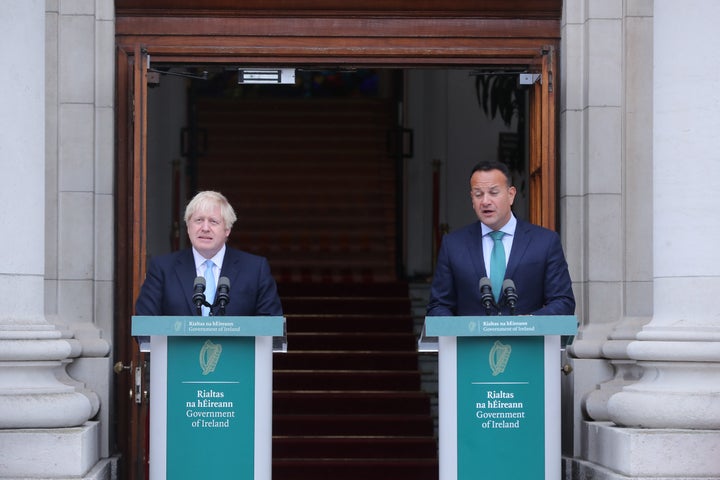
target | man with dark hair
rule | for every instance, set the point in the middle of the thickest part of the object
(530, 256)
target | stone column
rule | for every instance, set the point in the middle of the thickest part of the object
(679, 349)
(33, 396)
(633, 40)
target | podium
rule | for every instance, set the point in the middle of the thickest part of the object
(499, 394)
(211, 395)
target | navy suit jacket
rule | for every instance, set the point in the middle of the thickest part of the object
(168, 285)
(536, 265)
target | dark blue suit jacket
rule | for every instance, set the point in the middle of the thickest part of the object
(168, 286)
(536, 265)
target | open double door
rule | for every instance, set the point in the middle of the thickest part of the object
(398, 34)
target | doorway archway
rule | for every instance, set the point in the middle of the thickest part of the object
(367, 34)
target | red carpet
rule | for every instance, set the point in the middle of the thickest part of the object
(347, 402)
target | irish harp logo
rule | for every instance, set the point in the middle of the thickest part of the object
(499, 357)
(209, 356)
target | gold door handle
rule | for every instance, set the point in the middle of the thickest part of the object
(120, 367)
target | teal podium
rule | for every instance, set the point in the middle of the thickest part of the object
(211, 395)
(499, 394)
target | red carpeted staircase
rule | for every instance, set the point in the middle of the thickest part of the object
(314, 188)
(347, 397)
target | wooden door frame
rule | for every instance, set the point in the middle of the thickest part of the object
(542, 145)
(130, 211)
(444, 37)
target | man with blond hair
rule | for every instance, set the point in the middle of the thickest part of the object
(168, 288)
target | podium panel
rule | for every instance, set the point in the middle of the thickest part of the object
(499, 395)
(210, 395)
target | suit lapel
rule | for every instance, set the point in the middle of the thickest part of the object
(185, 274)
(475, 249)
(231, 265)
(521, 242)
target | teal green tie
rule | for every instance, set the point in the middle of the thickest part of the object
(497, 264)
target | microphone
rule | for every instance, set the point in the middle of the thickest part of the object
(223, 294)
(198, 297)
(486, 294)
(511, 296)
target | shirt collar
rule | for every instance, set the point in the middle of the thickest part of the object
(508, 228)
(217, 259)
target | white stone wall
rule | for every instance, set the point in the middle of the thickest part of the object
(606, 194)
(80, 163)
(55, 331)
(21, 159)
(637, 132)
(79, 156)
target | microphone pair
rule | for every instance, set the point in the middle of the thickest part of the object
(222, 295)
(509, 294)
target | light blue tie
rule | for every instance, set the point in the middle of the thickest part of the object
(497, 264)
(209, 286)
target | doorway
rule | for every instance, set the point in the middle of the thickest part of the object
(411, 42)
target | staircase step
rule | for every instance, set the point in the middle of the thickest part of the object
(349, 341)
(356, 469)
(349, 323)
(334, 273)
(322, 261)
(374, 446)
(393, 289)
(358, 305)
(352, 425)
(314, 402)
(346, 380)
(367, 360)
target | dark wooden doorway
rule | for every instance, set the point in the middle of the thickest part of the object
(370, 33)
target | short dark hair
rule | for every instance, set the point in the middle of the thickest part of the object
(486, 166)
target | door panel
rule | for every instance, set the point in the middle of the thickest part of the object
(542, 145)
(132, 367)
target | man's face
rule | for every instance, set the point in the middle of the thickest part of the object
(207, 231)
(491, 198)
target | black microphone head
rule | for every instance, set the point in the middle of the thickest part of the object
(510, 294)
(224, 282)
(223, 291)
(223, 294)
(486, 294)
(198, 297)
